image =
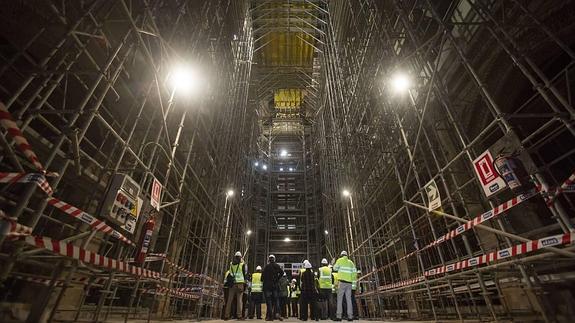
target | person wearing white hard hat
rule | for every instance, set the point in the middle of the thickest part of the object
(325, 291)
(345, 269)
(294, 298)
(309, 293)
(270, 277)
(256, 296)
(283, 286)
(236, 281)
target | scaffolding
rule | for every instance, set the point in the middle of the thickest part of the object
(319, 126)
(485, 75)
(88, 86)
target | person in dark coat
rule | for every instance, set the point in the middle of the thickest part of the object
(309, 293)
(270, 277)
(283, 286)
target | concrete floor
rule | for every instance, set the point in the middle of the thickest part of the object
(287, 320)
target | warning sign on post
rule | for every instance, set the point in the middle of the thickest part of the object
(488, 177)
(433, 198)
(155, 194)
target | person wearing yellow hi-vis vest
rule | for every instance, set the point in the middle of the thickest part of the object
(256, 296)
(325, 290)
(236, 280)
(294, 297)
(345, 269)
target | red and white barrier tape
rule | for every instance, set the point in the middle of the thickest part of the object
(160, 290)
(183, 272)
(37, 178)
(511, 252)
(77, 280)
(491, 214)
(21, 142)
(551, 194)
(87, 218)
(75, 252)
(9, 227)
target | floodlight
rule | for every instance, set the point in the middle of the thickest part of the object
(249, 232)
(287, 239)
(346, 193)
(400, 82)
(283, 153)
(184, 79)
(230, 193)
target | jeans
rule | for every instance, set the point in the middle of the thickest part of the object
(272, 304)
(308, 299)
(235, 292)
(326, 304)
(344, 289)
(256, 305)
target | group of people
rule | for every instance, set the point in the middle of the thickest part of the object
(314, 293)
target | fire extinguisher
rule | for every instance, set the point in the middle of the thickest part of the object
(513, 172)
(146, 239)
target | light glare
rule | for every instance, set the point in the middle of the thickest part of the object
(249, 232)
(346, 193)
(400, 83)
(283, 153)
(287, 239)
(185, 79)
(230, 193)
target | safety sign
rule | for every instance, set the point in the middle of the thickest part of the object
(490, 180)
(155, 194)
(433, 198)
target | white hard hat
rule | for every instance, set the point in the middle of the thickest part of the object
(306, 264)
(272, 257)
(238, 254)
(259, 268)
(343, 253)
(324, 261)
(293, 280)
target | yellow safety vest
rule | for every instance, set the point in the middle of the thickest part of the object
(238, 272)
(257, 283)
(226, 276)
(294, 293)
(325, 278)
(335, 283)
(354, 281)
(345, 269)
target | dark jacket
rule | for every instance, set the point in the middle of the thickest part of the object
(283, 286)
(271, 275)
(308, 282)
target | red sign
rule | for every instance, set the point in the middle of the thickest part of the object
(490, 180)
(156, 194)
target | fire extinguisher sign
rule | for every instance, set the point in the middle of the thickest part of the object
(490, 180)
(156, 194)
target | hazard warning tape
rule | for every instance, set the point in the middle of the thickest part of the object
(75, 252)
(511, 252)
(37, 178)
(21, 142)
(9, 227)
(180, 271)
(88, 219)
(160, 290)
(551, 194)
(491, 214)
